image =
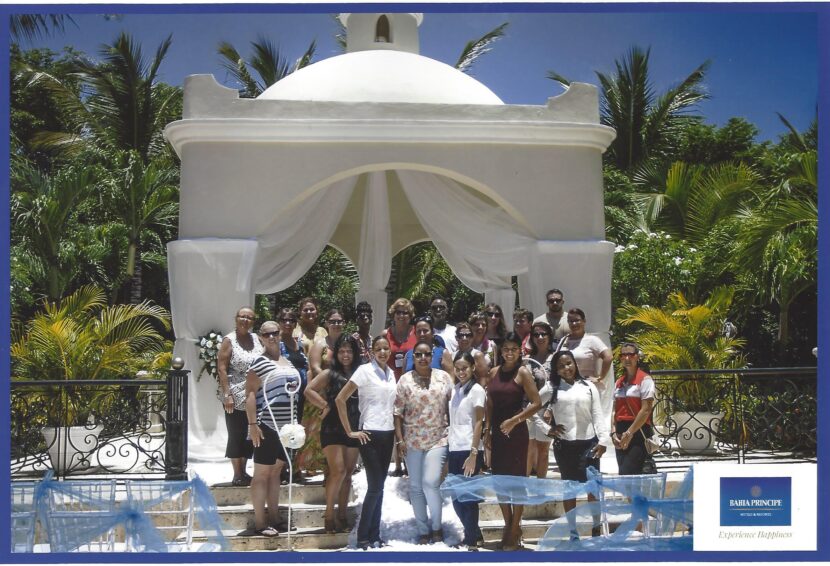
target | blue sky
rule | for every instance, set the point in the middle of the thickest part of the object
(764, 59)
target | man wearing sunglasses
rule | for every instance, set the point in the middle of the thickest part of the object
(555, 316)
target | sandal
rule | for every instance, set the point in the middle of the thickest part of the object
(424, 539)
(283, 527)
(266, 532)
(329, 526)
(244, 481)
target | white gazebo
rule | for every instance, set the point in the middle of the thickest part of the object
(372, 151)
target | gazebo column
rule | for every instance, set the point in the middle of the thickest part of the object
(374, 265)
(582, 270)
(210, 279)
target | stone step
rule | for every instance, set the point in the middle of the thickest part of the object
(310, 494)
(304, 516)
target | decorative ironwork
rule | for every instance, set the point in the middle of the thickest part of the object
(742, 414)
(96, 427)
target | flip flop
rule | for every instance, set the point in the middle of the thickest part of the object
(267, 532)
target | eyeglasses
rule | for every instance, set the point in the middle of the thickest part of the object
(270, 334)
(288, 320)
(492, 314)
(309, 310)
(541, 335)
(337, 322)
(438, 308)
(364, 315)
(627, 354)
(420, 355)
(462, 335)
(401, 313)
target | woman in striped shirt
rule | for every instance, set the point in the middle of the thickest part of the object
(268, 407)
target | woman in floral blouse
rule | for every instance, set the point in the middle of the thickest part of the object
(421, 432)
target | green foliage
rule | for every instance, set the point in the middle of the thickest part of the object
(707, 144)
(475, 48)
(647, 124)
(266, 62)
(81, 337)
(332, 280)
(651, 267)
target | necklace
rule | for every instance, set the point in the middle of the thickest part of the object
(422, 381)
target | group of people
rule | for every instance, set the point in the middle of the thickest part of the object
(435, 397)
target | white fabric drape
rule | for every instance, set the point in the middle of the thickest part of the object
(374, 265)
(210, 279)
(295, 239)
(481, 243)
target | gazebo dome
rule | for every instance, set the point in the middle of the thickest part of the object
(382, 64)
(381, 76)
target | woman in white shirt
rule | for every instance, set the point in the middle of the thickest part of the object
(579, 430)
(376, 387)
(465, 456)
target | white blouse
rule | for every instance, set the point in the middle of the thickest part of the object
(376, 391)
(579, 410)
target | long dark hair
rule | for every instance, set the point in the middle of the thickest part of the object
(548, 330)
(467, 357)
(556, 379)
(338, 373)
(501, 328)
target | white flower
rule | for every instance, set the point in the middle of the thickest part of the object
(209, 344)
(212, 335)
(667, 236)
(693, 250)
(652, 235)
(632, 246)
(203, 342)
(678, 260)
(619, 249)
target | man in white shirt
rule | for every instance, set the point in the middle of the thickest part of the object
(556, 315)
(438, 309)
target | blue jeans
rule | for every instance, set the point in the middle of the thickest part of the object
(425, 468)
(467, 511)
(376, 454)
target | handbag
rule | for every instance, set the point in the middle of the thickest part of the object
(650, 444)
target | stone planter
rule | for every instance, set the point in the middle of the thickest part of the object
(697, 432)
(71, 448)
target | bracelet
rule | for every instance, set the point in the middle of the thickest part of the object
(473, 451)
(399, 442)
(252, 424)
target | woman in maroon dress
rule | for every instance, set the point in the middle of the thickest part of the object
(509, 385)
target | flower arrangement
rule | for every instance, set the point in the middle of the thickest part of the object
(208, 353)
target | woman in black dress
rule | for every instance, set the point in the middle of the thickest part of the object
(510, 385)
(341, 451)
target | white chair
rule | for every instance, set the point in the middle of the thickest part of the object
(81, 516)
(616, 493)
(23, 516)
(171, 506)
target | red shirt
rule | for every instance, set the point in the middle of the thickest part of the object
(628, 398)
(397, 361)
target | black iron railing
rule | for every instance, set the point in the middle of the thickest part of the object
(747, 415)
(126, 427)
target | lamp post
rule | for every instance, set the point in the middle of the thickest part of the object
(175, 447)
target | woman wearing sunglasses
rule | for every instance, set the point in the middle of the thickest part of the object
(464, 345)
(538, 362)
(421, 421)
(633, 401)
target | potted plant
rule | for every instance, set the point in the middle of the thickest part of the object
(688, 336)
(81, 337)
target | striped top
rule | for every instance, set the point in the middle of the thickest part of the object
(274, 378)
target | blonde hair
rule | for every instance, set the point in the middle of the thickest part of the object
(402, 303)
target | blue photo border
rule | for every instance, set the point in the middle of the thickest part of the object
(822, 12)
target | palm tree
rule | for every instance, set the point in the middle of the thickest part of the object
(142, 197)
(688, 200)
(43, 208)
(646, 124)
(122, 108)
(419, 272)
(682, 335)
(267, 62)
(776, 244)
(81, 337)
(27, 27)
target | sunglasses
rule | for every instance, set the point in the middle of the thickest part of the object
(438, 308)
(492, 314)
(420, 355)
(309, 310)
(554, 300)
(401, 313)
(464, 335)
(270, 334)
(541, 335)
(627, 354)
(337, 322)
(288, 320)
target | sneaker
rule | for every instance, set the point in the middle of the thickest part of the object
(437, 536)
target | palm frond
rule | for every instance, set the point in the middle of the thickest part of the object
(474, 49)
